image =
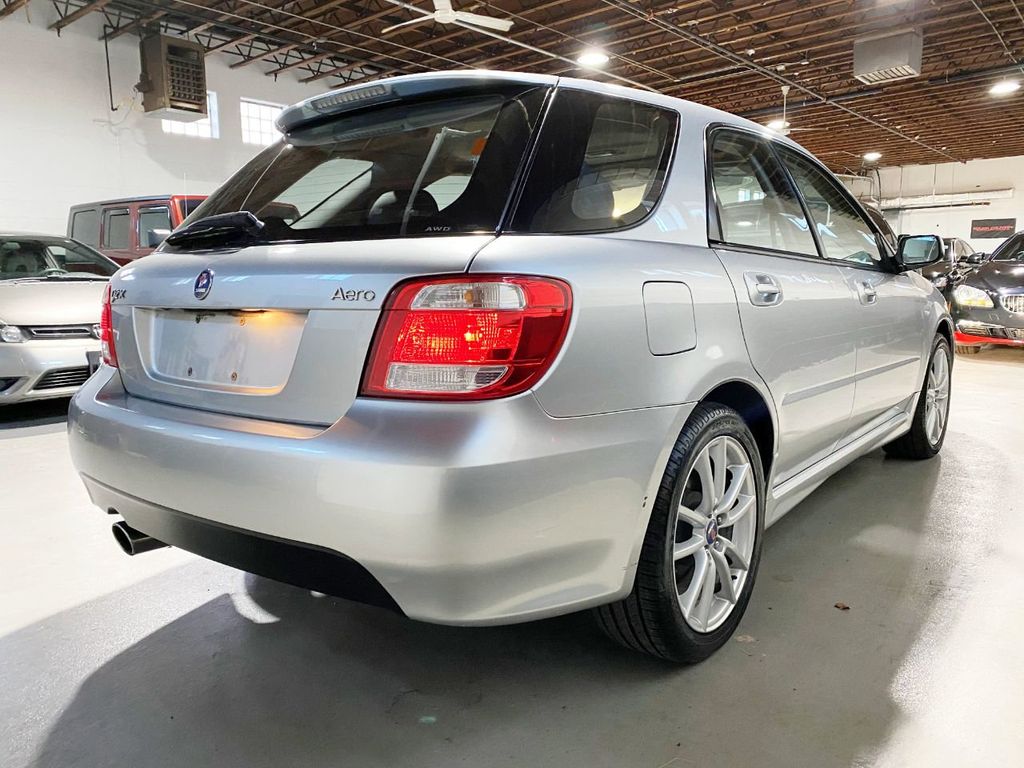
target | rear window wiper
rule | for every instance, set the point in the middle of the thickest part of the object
(237, 228)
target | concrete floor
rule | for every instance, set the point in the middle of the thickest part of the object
(169, 660)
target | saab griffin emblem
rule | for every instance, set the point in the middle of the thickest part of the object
(203, 284)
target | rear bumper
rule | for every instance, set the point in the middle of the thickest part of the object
(463, 513)
(36, 366)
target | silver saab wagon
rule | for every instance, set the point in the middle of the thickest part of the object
(486, 348)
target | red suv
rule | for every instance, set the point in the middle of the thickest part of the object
(131, 227)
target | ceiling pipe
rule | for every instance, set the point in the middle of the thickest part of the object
(728, 55)
(961, 77)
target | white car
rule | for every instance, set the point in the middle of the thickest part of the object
(50, 297)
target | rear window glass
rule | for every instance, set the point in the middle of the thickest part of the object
(600, 164)
(421, 168)
(85, 227)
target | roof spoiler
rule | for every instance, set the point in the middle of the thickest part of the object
(399, 89)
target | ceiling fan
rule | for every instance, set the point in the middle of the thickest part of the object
(444, 14)
(782, 125)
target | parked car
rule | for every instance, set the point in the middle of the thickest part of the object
(129, 228)
(50, 297)
(517, 356)
(949, 272)
(988, 307)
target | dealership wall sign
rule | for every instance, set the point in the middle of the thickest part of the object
(981, 228)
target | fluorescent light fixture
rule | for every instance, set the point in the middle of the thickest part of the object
(872, 157)
(1005, 87)
(592, 57)
(778, 125)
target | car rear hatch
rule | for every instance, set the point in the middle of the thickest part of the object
(283, 332)
(265, 301)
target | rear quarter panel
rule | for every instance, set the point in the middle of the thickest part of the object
(607, 364)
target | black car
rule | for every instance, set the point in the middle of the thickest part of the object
(988, 306)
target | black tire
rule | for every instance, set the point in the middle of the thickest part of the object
(915, 443)
(968, 349)
(649, 619)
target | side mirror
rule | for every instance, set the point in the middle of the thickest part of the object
(156, 236)
(916, 251)
(977, 258)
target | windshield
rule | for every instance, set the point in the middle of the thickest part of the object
(51, 258)
(424, 168)
(1011, 250)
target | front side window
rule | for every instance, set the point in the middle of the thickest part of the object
(85, 227)
(600, 164)
(756, 204)
(1011, 250)
(845, 235)
(413, 169)
(117, 228)
(51, 258)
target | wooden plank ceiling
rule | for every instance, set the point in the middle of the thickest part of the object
(731, 55)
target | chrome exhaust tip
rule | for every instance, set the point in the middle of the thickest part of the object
(133, 542)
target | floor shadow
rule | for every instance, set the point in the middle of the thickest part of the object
(34, 414)
(328, 683)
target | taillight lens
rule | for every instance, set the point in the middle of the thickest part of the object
(107, 347)
(467, 338)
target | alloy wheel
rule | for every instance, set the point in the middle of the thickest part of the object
(715, 533)
(936, 408)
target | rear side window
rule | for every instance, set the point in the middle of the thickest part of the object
(85, 227)
(600, 164)
(154, 226)
(756, 204)
(844, 233)
(442, 166)
(117, 231)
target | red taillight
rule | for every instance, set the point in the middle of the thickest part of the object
(473, 337)
(107, 346)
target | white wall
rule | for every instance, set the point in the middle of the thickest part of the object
(60, 144)
(950, 178)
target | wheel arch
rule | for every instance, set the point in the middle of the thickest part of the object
(753, 407)
(946, 329)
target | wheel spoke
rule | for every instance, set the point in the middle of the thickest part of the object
(717, 453)
(743, 505)
(688, 599)
(707, 483)
(689, 547)
(739, 477)
(929, 422)
(738, 560)
(724, 575)
(693, 517)
(702, 610)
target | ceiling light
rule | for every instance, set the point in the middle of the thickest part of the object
(1004, 87)
(751, 51)
(592, 57)
(778, 125)
(872, 157)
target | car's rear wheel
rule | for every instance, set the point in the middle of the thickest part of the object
(928, 429)
(703, 544)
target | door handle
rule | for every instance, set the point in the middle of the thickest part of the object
(764, 290)
(868, 294)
